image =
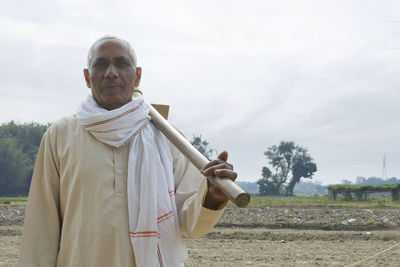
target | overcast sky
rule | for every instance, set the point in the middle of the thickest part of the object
(243, 74)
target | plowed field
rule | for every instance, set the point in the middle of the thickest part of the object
(279, 236)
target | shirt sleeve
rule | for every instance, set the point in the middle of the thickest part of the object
(190, 190)
(41, 231)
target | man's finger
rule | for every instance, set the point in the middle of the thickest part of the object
(216, 162)
(211, 170)
(223, 155)
(225, 173)
(212, 163)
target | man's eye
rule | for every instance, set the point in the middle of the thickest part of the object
(124, 64)
(100, 64)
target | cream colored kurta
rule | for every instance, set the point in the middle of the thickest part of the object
(77, 212)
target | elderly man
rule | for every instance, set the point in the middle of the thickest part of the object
(107, 189)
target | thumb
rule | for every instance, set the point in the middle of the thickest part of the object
(223, 155)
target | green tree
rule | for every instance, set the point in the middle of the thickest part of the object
(202, 146)
(290, 163)
(269, 184)
(13, 167)
(19, 144)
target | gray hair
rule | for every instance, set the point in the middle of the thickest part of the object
(109, 37)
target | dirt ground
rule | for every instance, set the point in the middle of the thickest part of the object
(267, 247)
(287, 247)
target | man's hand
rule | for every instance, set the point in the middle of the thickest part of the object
(222, 169)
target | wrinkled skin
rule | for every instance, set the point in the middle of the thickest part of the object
(112, 77)
(222, 169)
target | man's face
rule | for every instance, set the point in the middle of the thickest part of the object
(112, 76)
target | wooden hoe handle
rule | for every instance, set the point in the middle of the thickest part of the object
(236, 194)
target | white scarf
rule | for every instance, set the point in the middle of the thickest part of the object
(153, 220)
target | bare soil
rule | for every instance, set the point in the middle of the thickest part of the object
(313, 217)
(268, 236)
(288, 247)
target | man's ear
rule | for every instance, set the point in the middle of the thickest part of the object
(87, 78)
(138, 76)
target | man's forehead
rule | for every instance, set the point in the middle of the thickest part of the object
(111, 47)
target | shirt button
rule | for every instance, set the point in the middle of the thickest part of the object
(119, 171)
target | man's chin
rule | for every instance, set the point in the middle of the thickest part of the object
(113, 102)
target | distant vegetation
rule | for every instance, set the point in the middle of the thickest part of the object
(202, 146)
(249, 187)
(288, 164)
(310, 188)
(19, 144)
(360, 192)
(302, 188)
(372, 181)
(316, 188)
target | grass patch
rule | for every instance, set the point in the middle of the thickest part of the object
(320, 200)
(4, 201)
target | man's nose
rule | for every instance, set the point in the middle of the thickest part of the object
(111, 72)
